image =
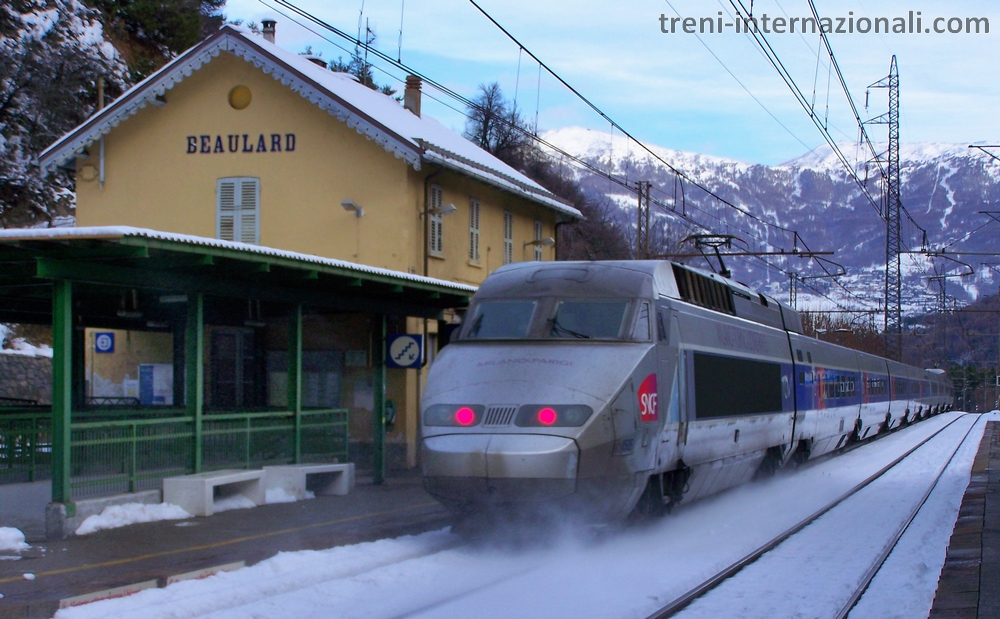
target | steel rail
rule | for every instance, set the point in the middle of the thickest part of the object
(874, 569)
(681, 602)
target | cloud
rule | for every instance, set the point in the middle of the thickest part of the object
(669, 88)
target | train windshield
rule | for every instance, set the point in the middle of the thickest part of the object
(547, 319)
(588, 319)
(501, 320)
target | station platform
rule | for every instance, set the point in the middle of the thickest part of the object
(968, 586)
(158, 550)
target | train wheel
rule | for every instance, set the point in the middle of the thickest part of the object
(856, 434)
(885, 425)
(801, 455)
(770, 464)
(652, 503)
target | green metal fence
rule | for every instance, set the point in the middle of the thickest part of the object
(248, 440)
(112, 453)
(109, 457)
(324, 435)
(25, 447)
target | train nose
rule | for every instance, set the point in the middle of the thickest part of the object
(500, 468)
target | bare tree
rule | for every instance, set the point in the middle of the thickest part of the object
(496, 125)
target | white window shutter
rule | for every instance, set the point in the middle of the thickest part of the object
(473, 230)
(238, 209)
(439, 232)
(249, 198)
(508, 237)
(434, 222)
(226, 194)
(538, 237)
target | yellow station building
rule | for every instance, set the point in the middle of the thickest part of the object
(240, 140)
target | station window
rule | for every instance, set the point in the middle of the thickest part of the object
(435, 224)
(538, 237)
(473, 230)
(508, 237)
(237, 208)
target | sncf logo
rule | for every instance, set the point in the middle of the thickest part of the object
(647, 400)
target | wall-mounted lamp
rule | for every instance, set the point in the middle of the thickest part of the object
(350, 205)
(546, 242)
(446, 209)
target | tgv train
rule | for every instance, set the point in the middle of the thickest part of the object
(596, 384)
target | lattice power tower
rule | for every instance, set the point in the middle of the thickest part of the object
(892, 209)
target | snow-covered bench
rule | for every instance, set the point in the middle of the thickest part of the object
(296, 479)
(196, 493)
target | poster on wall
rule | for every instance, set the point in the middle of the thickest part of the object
(156, 384)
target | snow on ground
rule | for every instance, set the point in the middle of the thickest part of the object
(236, 501)
(114, 516)
(12, 539)
(286, 573)
(906, 584)
(628, 574)
(815, 572)
(280, 495)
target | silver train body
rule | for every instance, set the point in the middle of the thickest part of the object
(591, 385)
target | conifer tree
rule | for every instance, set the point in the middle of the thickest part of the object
(51, 54)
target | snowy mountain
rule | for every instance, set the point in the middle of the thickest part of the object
(944, 188)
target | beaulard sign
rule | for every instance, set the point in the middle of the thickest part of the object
(240, 143)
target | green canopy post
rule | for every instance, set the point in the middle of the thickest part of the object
(194, 359)
(62, 389)
(295, 374)
(378, 414)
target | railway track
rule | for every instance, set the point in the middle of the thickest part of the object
(681, 602)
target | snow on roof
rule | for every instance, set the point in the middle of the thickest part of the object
(369, 112)
(117, 232)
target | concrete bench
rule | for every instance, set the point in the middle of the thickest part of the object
(296, 479)
(197, 493)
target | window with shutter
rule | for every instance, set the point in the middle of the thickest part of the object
(508, 237)
(538, 237)
(238, 210)
(227, 209)
(435, 223)
(249, 196)
(474, 230)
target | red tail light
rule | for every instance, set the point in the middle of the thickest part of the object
(460, 415)
(552, 415)
(465, 416)
(547, 416)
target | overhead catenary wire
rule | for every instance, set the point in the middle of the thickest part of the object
(744, 87)
(564, 155)
(467, 102)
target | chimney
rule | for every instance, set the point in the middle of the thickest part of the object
(411, 96)
(268, 29)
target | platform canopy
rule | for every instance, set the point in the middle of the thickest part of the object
(144, 259)
(146, 280)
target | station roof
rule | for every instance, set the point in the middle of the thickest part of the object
(151, 260)
(414, 139)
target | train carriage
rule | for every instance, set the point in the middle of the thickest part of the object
(597, 385)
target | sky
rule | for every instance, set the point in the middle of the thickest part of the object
(712, 93)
